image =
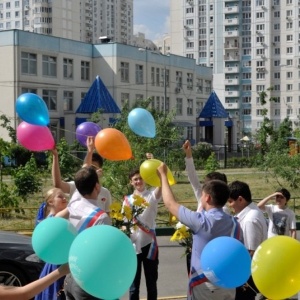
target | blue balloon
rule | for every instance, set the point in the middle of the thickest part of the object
(32, 109)
(103, 261)
(52, 239)
(226, 262)
(142, 122)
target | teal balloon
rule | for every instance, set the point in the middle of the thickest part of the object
(103, 261)
(52, 239)
(32, 109)
(142, 122)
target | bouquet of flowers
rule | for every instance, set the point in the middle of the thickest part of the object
(183, 236)
(125, 217)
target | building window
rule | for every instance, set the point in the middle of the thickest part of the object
(29, 90)
(289, 75)
(277, 112)
(68, 68)
(289, 99)
(157, 77)
(157, 103)
(289, 50)
(139, 97)
(68, 101)
(190, 81)
(289, 111)
(289, 87)
(49, 66)
(124, 71)
(139, 74)
(179, 106)
(178, 79)
(189, 133)
(50, 97)
(190, 107)
(28, 63)
(152, 76)
(124, 99)
(85, 70)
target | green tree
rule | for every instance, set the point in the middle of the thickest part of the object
(211, 163)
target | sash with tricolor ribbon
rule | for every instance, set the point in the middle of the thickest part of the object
(154, 246)
(90, 220)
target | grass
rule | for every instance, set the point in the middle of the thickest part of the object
(260, 186)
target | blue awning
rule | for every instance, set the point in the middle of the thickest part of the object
(78, 121)
(213, 108)
(98, 97)
(229, 123)
(206, 123)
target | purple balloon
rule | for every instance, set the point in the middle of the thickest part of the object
(86, 129)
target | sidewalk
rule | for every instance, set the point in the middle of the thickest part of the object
(172, 273)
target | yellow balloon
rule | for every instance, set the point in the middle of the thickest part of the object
(148, 171)
(276, 267)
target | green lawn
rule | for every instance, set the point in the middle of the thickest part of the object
(259, 184)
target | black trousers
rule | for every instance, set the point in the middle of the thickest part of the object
(245, 292)
(151, 275)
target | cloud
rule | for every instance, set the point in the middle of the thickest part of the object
(152, 18)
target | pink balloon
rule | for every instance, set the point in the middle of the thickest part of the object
(35, 137)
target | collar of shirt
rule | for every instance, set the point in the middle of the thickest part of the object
(245, 211)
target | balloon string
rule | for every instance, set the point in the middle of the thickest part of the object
(248, 285)
(66, 130)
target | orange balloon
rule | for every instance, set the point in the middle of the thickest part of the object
(112, 144)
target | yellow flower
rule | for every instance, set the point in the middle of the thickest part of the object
(173, 219)
(177, 236)
(139, 201)
(115, 207)
(127, 212)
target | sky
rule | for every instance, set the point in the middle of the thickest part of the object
(151, 17)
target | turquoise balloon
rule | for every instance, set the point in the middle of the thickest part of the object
(32, 109)
(52, 239)
(142, 122)
(103, 261)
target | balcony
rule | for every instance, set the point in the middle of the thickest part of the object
(234, 21)
(231, 57)
(231, 33)
(232, 45)
(231, 81)
(231, 105)
(232, 70)
(231, 9)
(232, 93)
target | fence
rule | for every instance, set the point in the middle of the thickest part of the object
(23, 219)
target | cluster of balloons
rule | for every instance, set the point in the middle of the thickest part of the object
(33, 132)
(275, 267)
(102, 259)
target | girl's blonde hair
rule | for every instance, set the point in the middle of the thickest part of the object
(49, 195)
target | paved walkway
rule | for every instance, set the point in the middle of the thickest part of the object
(172, 274)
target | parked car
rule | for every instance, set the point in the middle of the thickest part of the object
(19, 264)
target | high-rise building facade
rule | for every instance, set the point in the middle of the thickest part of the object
(85, 21)
(252, 46)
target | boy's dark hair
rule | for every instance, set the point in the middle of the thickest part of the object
(285, 193)
(216, 175)
(240, 188)
(133, 172)
(218, 190)
(97, 158)
(86, 180)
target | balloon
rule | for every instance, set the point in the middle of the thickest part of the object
(276, 267)
(103, 261)
(142, 122)
(34, 137)
(86, 129)
(148, 171)
(52, 239)
(32, 109)
(112, 144)
(226, 262)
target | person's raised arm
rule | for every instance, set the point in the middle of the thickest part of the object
(30, 290)
(167, 194)
(56, 176)
(90, 143)
(261, 204)
(191, 170)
